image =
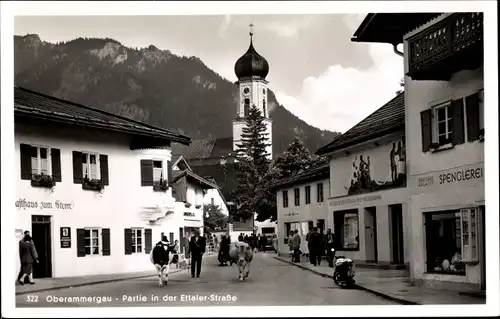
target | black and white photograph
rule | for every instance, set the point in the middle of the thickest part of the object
(249, 158)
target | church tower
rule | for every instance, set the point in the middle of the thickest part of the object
(251, 70)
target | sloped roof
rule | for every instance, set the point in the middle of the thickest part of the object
(205, 149)
(314, 173)
(36, 105)
(190, 175)
(225, 177)
(390, 27)
(177, 159)
(387, 119)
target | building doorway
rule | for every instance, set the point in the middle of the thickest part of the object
(397, 244)
(371, 234)
(41, 231)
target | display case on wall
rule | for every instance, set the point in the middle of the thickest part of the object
(469, 222)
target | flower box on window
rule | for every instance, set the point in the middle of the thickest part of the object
(160, 186)
(42, 180)
(93, 184)
(469, 222)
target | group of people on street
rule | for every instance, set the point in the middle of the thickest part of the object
(28, 256)
(257, 242)
(318, 245)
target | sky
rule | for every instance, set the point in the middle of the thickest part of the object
(316, 72)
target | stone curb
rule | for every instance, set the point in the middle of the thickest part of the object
(90, 283)
(378, 293)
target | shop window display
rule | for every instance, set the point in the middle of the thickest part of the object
(448, 241)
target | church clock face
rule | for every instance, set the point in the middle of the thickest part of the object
(246, 91)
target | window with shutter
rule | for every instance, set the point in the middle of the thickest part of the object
(104, 168)
(137, 240)
(171, 238)
(457, 109)
(77, 168)
(147, 173)
(128, 241)
(473, 117)
(80, 242)
(106, 242)
(148, 240)
(55, 155)
(25, 151)
(426, 124)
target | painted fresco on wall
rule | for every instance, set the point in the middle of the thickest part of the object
(361, 180)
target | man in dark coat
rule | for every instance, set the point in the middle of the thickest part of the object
(312, 245)
(197, 246)
(26, 233)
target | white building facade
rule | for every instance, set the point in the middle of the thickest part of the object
(444, 98)
(302, 204)
(107, 202)
(368, 202)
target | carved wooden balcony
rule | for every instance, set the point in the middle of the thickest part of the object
(449, 46)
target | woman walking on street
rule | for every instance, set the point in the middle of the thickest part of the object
(28, 257)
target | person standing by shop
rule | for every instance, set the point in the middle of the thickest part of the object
(28, 257)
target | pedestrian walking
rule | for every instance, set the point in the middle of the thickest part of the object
(240, 237)
(197, 247)
(26, 233)
(28, 257)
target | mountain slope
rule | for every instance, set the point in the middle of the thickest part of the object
(148, 84)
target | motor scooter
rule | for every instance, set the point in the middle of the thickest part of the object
(343, 274)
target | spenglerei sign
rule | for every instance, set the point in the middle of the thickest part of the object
(452, 176)
(23, 203)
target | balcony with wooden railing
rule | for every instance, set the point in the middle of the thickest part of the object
(449, 46)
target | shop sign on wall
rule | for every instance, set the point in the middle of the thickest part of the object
(292, 214)
(355, 200)
(453, 176)
(65, 237)
(23, 203)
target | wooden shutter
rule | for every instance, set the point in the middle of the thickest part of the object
(25, 151)
(472, 111)
(106, 242)
(170, 176)
(128, 241)
(55, 155)
(146, 173)
(103, 163)
(426, 124)
(80, 242)
(148, 239)
(457, 111)
(77, 168)
(171, 235)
